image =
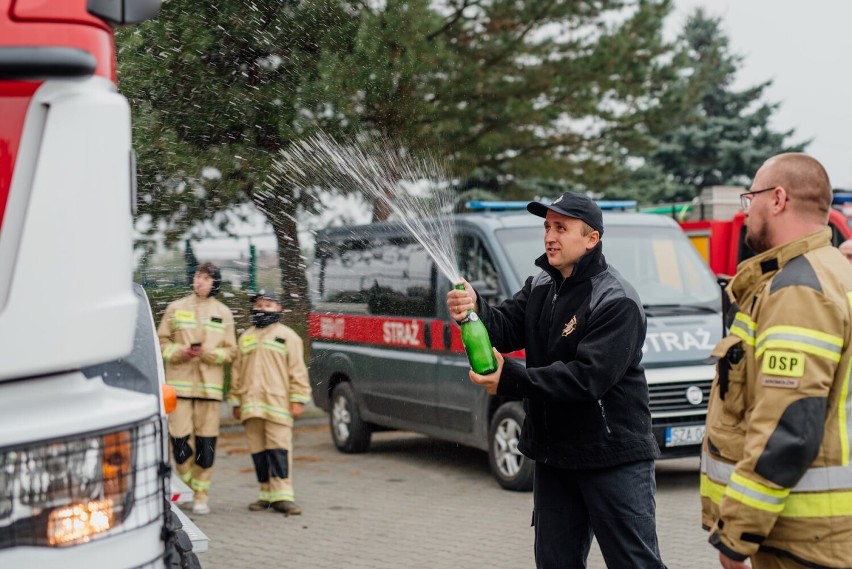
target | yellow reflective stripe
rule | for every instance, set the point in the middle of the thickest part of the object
(756, 503)
(741, 480)
(280, 496)
(169, 351)
(211, 388)
(819, 505)
(273, 345)
(816, 479)
(844, 411)
(248, 343)
(755, 494)
(746, 321)
(182, 387)
(264, 495)
(265, 408)
(712, 490)
(744, 327)
(220, 355)
(185, 315)
(802, 339)
(199, 484)
(744, 335)
(215, 326)
(802, 502)
(183, 319)
(298, 398)
(186, 476)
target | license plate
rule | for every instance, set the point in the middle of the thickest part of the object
(679, 436)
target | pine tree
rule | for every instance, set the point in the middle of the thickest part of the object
(726, 136)
(505, 91)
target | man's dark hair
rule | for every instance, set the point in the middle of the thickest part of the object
(214, 273)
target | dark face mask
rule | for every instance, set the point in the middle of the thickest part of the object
(262, 319)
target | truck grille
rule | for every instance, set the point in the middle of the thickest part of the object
(669, 402)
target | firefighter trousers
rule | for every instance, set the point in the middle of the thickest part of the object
(271, 445)
(194, 429)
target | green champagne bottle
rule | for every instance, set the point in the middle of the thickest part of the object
(476, 342)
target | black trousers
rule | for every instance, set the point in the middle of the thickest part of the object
(616, 505)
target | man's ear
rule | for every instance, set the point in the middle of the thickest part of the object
(781, 198)
(593, 238)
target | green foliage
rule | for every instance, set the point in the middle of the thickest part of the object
(724, 138)
(520, 98)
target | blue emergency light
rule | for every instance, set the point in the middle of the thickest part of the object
(495, 205)
(605, 205)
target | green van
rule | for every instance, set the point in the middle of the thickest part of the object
(385, 353)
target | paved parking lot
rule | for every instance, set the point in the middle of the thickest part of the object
(410, 502)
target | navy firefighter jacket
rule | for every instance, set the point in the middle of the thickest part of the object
(584, 390)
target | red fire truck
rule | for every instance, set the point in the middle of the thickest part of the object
(721, 242)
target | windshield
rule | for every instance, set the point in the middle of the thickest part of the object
(659, 262)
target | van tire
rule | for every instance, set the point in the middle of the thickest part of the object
(350, 433)
(513, 470)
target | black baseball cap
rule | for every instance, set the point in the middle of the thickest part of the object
(268, 294)
(573, 205)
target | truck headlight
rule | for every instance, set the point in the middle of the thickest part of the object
(65, 492)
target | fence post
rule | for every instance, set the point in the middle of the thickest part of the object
(252, 280)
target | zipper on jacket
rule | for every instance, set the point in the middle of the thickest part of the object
(603, 415)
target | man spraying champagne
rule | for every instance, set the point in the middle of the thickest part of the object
(588, 422)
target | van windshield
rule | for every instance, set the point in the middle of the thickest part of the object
(659, 262)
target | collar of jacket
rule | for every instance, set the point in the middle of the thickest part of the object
(759, 269)
(587, 266)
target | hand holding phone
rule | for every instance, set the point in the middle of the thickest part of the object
(194, 350)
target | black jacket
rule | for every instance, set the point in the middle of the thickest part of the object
(584, 389)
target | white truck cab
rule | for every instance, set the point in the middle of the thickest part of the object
(84, 477)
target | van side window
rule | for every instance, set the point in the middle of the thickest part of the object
(388, 276)
(477, 267)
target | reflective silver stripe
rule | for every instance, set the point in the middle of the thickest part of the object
(816, 479)
(755, 495)
(800, 339)
(742, 326)
(716, 470)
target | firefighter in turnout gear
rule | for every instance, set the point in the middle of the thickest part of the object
(197, 340)
(776, 477)
(270, 388)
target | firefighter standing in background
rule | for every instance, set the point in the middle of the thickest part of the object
(776, 477)
(270, 388)
(197, 339)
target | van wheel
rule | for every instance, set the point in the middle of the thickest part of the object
(350, 433)
(512, 469)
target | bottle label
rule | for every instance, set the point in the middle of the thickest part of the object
(471, 317)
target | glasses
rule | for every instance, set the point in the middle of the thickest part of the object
(745, 198)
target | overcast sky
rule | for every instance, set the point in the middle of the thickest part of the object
(804, 48)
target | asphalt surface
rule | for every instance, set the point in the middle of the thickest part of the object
(410, 502)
